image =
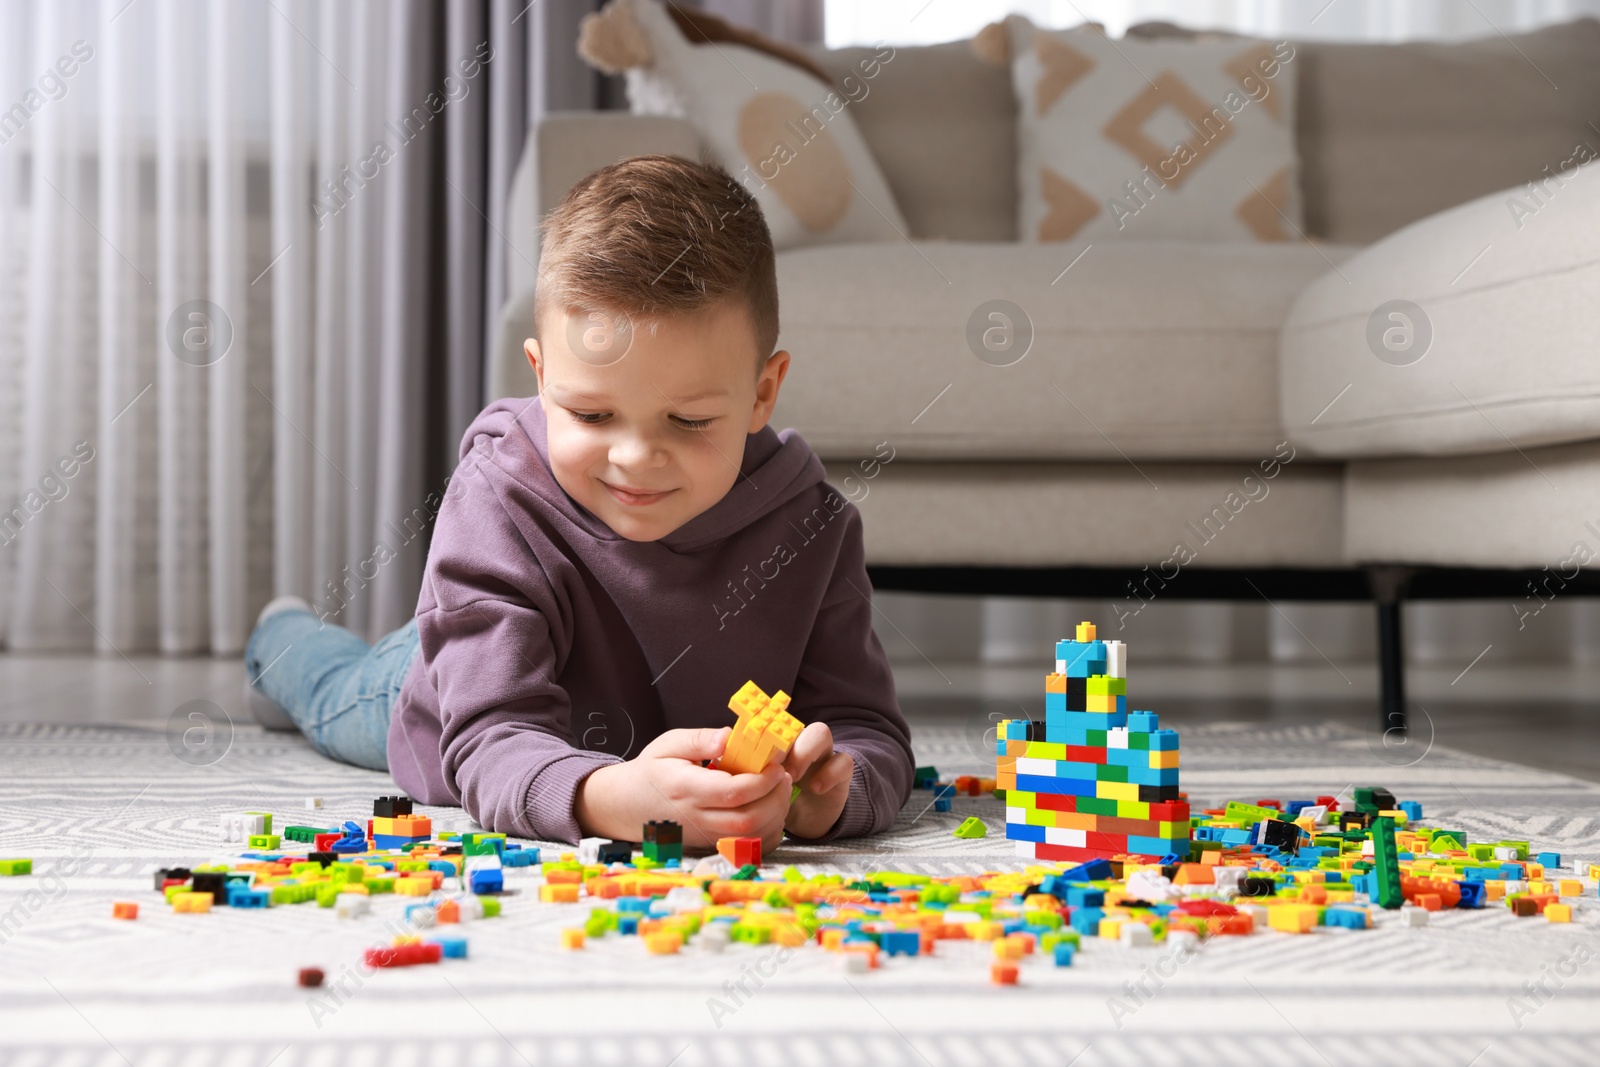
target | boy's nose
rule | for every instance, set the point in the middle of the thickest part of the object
(635, 452)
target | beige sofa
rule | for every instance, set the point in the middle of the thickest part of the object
(1223, 398)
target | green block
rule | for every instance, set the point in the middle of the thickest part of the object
(792, 874)
(1106, 772)
(479, 847)
(661, 853)
(268, 842)
(1103, 685)
(1138, 739)
(15, 867)
(1481, 853)
(328, 895)
(1247, 813)
(745, 874)
(1097, 806)
(1520, 846)
(1439, 840)
(1051, 919)
(1097, 739)
(303, 834)
(1386, 863)
(971, 828)
(266, 820)
(381, 884)
(491, 906)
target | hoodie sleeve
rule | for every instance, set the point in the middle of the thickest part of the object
(494, 630)
(845, 681)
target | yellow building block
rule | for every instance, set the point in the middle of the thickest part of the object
(192, 903)
(1292, 918)
(1558, 913)
(663, 942)
(1116, 790)
(1571, 887)
(764, 730)
(559, 894)
(1164, 760)
(1110, 929)
(1085, 632)
(572, 938)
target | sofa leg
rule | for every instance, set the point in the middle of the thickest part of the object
(1388, 589)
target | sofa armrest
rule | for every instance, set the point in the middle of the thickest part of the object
(562, 148)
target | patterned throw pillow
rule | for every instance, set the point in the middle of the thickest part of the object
(787, 136)
(1153, 139)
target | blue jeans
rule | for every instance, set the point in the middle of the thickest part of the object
(337, 688)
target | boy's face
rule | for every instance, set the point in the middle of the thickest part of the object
(650, 440)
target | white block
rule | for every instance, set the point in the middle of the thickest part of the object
(489, 862)
(1034, 765)
(714, 866)
(1116, 659)
(313, 803)
(1150, 885)
(1017, 815)
(1317, 813)
(1181, 942)
(1061, 666)
(1060, 835)
(1136, 935)
(686, 898)
(1117, 737)
(1505, 853)
(1025, 849)
(1228, 878)
(1414, 916)
(855, 963)
(589, 850)
(352, 905)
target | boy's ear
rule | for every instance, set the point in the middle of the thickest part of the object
(530, 348)
(767, 385)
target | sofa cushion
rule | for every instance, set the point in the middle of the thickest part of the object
(942, 124)
(1390, 133)
(1153, 139)
(1098, 514)
(778, 130)
(1530, 509)
(1494, 348)
(1140, 349)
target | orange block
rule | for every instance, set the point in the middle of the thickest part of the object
(123, 909)
(1003, 973)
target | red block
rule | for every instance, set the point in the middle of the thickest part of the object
(405, 955)
(1055, 802)
(740, 850)
(1206, 908)
(324, 842)
(1169, 811)
(1331, 803)
(1085, 754)
(1276, 805)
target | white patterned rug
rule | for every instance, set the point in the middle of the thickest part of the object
(110, 805)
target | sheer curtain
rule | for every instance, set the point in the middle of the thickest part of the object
(249, 255)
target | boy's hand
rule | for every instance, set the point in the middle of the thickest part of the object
(666, 781)
(824, 778)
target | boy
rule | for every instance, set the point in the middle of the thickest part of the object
(617, 556)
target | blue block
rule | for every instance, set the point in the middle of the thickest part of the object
(901, 942)
(627, 924)
(1164, 741)
(1080, 896)
(1549, 859)
(486, 881)
(1412, 809)
(1054, 702)
(673, 862)
(941, 804)
(1344, 917)
(1063, 953)
(1127, 757)
(1071, 787)
(633, 904)
(1018, 831)
(1153, 775)
(248, 898)
(1473, 895)
(1143, 722)
(396, 841)
(1105, 720)
(1016, 730)
(455, 948)
(944, 791)
(520, 857)
(1072, 730)
(1087, 921)
(1091, 871)
(443, 867)
(1157, 846)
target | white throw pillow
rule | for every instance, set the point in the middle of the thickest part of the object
(787, 137)
(1153, 139)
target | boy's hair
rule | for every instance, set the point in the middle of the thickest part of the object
(659, 235)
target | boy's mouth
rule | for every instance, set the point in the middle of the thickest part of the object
(636, 497)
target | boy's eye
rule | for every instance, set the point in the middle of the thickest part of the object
(693, 424)
(589, 418)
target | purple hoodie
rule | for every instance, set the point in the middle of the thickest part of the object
(552, 646)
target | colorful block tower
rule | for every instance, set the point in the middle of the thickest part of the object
(1092, 780)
